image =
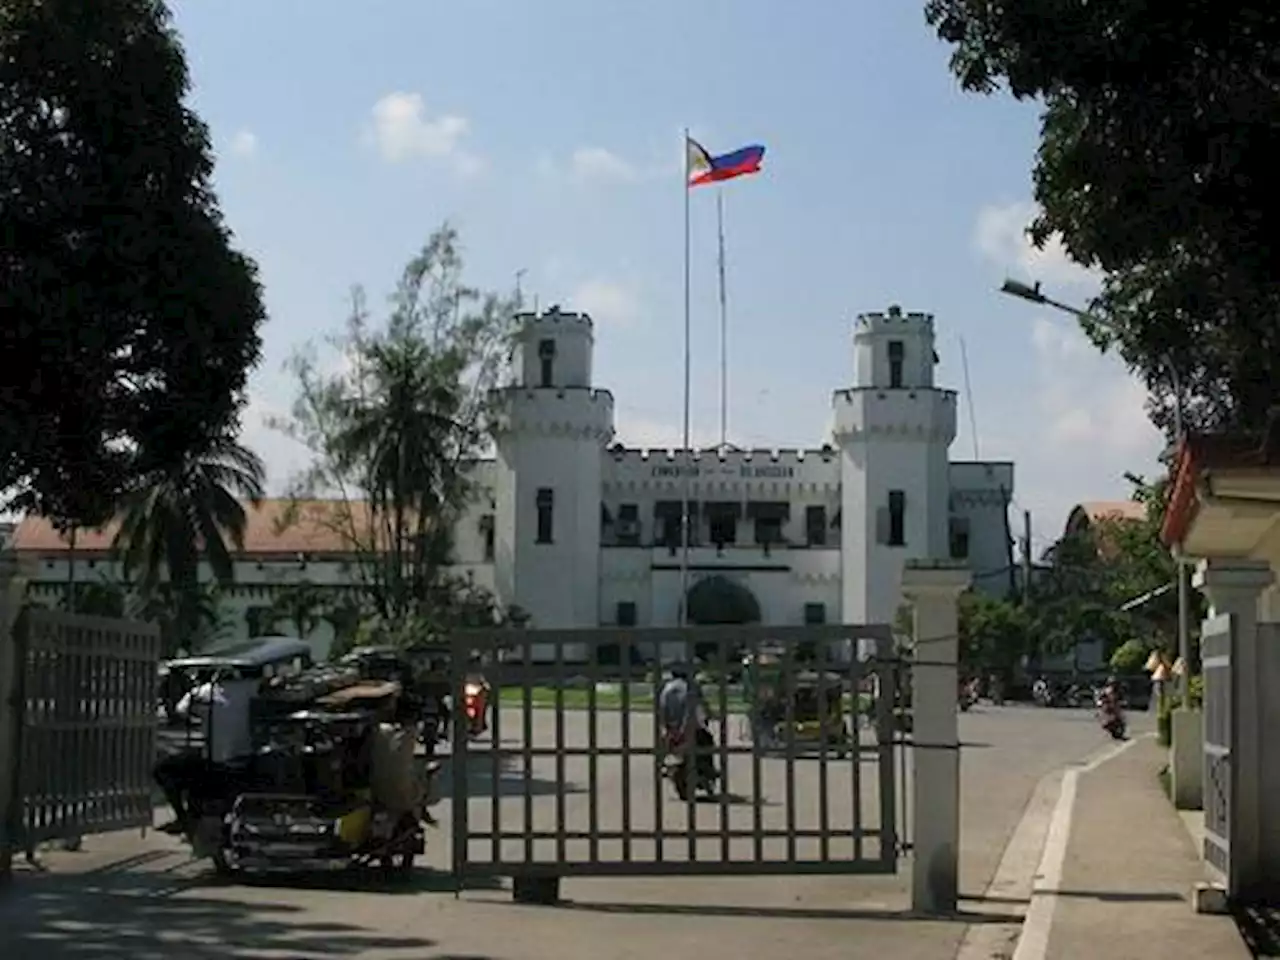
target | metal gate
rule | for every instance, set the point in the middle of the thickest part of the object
(1217, 648)
(85, 711)
(569, 779)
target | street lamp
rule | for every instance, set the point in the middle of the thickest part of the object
(1033, 294)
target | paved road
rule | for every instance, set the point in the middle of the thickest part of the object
(97, 904)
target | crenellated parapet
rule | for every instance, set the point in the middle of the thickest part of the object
(926, 414)
(575, 412)
(893, 322)
(554, 319)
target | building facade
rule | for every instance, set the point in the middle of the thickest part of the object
(579, 530)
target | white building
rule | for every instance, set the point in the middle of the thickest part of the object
(581, 531)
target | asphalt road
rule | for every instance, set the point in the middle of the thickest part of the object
(123, 896)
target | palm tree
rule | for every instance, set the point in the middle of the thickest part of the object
(178, 516)
(403, 435)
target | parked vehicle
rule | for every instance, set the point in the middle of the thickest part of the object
(332, 786)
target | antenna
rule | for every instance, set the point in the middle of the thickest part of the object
(968, 400)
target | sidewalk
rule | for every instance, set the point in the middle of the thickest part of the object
(1129, 871)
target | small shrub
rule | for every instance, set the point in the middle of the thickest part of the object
(1129, 657)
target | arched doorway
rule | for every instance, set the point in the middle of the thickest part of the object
(717, 601)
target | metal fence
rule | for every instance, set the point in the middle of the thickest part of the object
(569, 780)
(1217, 649)
(85, 711)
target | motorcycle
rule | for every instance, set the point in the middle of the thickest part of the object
(475, 707)
(968, 696)
(676, 765)
(1114, 723)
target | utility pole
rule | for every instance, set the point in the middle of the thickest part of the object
(1026, 557)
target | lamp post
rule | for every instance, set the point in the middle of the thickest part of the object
(1033, 294)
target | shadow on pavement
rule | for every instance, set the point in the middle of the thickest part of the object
(779, 913)
(1260, 928)
(360, 881)
(1114, 896)
(155, 916)
(510, 781)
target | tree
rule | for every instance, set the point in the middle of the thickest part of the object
(394, 434)
(185, 513)
(129, 322)
(302, 605)
(1158, 144)
(188, 620)
(993, 633)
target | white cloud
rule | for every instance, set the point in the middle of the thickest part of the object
(402, 130)
(244, 144)
(1084, 426)
(599, 164)
(606, 301)
(1000, 236)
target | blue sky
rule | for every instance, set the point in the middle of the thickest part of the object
(549, 132)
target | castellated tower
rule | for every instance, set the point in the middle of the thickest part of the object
(893, 428)
(553, 427)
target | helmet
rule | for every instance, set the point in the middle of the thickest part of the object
(680, 671)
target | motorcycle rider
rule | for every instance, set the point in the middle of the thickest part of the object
(1110, 703)
(222, 706)
(683, 712)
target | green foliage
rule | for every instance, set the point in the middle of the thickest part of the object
(993, 633)
(393, 435)
(302, 606)
(129, 322)
(1093, 573)
(184, 513)
(1130, 657)
(1173, 201)
(189, 618)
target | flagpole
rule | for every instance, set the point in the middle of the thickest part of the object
(685, 525)
(724, 329)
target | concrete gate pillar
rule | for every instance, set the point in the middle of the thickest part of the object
(934, 589)
(13, 588)
(1234, 586)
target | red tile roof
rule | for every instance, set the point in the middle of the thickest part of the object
(274, 527)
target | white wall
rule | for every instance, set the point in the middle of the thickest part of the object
(981, 492)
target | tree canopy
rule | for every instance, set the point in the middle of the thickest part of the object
(394, 432)
(1159, 141)
(1111, 581)
(129, 321)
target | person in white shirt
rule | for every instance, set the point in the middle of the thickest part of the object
(222, 708)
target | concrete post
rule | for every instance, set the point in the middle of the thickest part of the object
(1234, 586)
(13, 588)
(934, 589)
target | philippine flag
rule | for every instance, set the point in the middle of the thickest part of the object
(701, 167)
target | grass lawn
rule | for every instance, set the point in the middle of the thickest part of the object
(610, 698)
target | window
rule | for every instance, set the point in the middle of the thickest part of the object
(897, 518)
(546, 357)
(626, 613)
(259, 620)
(722, 526)
(486, 534)
(627, 528)
(815, 526)
(768, 530)
(546, 510)
(896, 355)
(959, 538)
(815, 613)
